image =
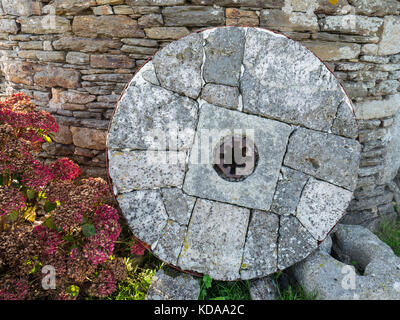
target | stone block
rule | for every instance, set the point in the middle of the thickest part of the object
(337, 164)
(136, 170)
(215, 240)
(269, 137)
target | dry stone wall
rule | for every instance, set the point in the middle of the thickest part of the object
(74, 58)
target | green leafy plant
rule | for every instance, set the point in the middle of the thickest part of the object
(389, 232)
(223, 290)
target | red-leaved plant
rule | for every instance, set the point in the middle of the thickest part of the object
(50, 219)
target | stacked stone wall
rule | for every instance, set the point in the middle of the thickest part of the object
(74, 58)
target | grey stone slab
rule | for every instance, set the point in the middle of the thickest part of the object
(334, 280)
(345, 123)
(288, 191)
(325, 156)
(193, 16)
(179, 206)
(134, 170)
(263, 289)
(270, 138)
(151, 117)
(178, 65)
(295, 243)
(145, 213)
(261, 250)
(321, 206)
(224, 49)
(170, 242)
(283, 80)
(215, 240)
(220, 95)
(169, 284)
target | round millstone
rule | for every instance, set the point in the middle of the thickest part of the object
(290, 137)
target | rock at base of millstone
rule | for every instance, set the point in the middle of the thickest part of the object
(170, 284)
(334, 280)
(263, 289)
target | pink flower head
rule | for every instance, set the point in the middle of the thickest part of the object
(65, 169)
(10, 200)
(138, 248)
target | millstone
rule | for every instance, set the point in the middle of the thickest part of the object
(233, 152)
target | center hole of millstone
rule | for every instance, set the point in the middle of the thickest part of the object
(235, 158)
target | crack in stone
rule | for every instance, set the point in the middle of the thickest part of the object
(245, 241)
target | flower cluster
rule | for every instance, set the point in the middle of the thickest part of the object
(10, 200)
(48, 217)
(99, 247)
(138, 248)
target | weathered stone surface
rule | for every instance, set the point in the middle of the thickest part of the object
(20, 7)
(151, 20)
(308, 152)
(260, 251)
(44, 24)
(19, 72)
(243, 3)
(390, 41)
(51, 56)
(293, 21)
(178, 205)
(224, 55)
(330, 278)
(205, 221)
(169, 244)
(155, 2)
(321, 206)
(339, 51)
(295, 243)
(220, 95)
(145, 213)
(71, 7)
(288, 190)
(178, 65)
(63, 135)
(77, 58)
(57, 77)
(215, 239)
(169, 284)
(8, 26)
(162, 33)
(109, 26)
(75, 97)
(89, 138)
(166, 115)
(361, 25)
(135, 170)
(102, 10)
(263, 289)
(391, 159)
(375, 109)
(345, 123)
(203, 181)
(111, 61)
(375, 7)
(193, 16)
(308, 98)
(85, 44)
(238, 17)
